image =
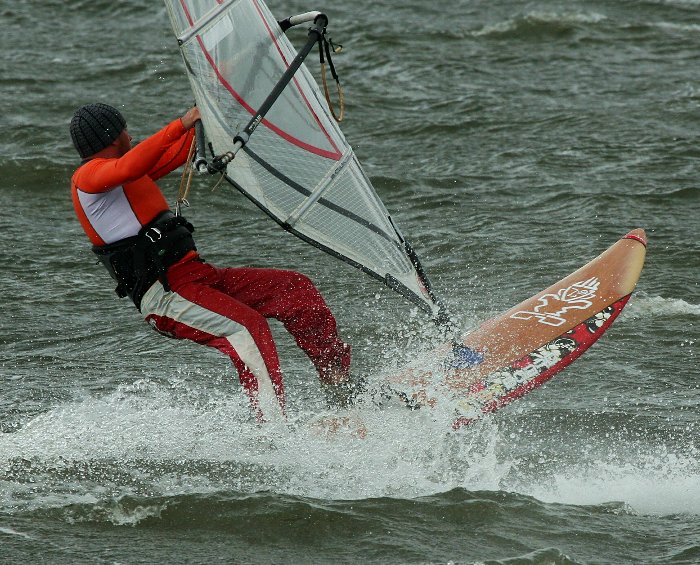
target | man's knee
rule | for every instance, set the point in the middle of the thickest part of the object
(299, 281)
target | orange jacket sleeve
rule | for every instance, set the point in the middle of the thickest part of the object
(174, 157)
(101, 175)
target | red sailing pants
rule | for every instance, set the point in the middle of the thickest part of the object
(226, 308)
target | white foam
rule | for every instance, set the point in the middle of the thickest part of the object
(544, 17)
(680, 2)
(674, 27)
(181, 441)
(658, 483)
(11, 532)
(117, 513)
(644, 306)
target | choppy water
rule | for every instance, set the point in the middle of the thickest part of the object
(513, 141)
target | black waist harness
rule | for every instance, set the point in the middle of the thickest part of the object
(135, 263)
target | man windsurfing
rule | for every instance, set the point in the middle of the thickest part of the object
(151, 255)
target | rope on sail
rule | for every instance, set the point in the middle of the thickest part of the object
(185, 181)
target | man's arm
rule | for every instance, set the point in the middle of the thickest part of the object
(101, 175)
(178, 152)
(174, 157)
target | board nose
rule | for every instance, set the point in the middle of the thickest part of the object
(639, 234)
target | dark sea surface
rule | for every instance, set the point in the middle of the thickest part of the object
(512, 141)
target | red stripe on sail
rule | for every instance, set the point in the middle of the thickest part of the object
(334, 155)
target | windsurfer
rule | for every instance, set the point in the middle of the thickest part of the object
(151, 255)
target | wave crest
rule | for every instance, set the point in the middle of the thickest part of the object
(538, 23)
(649, 306)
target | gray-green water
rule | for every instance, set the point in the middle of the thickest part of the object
(512, 141)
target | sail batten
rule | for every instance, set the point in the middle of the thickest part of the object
(342, 211)
(297, 165)
(205, 20)
(322, 186)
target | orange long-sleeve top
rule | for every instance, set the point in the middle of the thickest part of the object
(114, 198)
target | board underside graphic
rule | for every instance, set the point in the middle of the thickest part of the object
(509, 355)
(530, 371)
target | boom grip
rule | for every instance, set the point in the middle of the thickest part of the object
(292, 21)
(321, 20)
(200, 158)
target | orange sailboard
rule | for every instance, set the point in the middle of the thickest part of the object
(517, 351)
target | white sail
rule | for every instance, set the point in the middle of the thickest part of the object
(297, 165)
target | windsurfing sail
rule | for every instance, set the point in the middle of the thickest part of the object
(297, 166)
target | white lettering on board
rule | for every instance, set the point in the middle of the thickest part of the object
(554, 306)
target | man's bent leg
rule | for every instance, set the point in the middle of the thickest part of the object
(206, 316)
(292, 298)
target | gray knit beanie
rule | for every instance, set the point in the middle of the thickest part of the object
(94, 127)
